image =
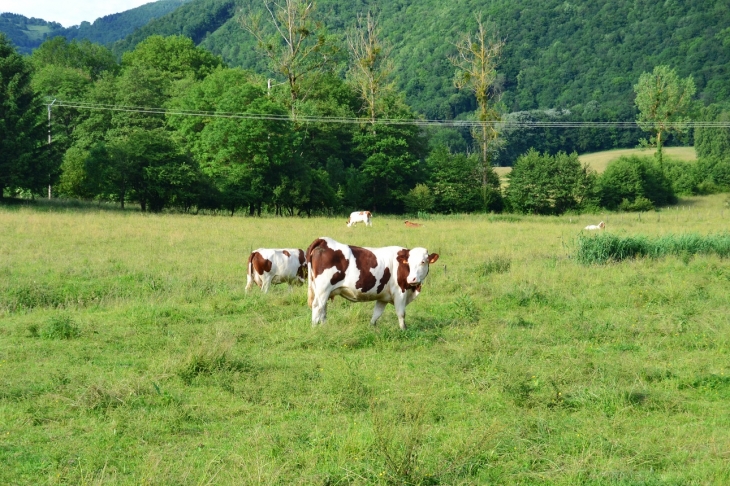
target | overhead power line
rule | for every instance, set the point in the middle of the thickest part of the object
(506, 123)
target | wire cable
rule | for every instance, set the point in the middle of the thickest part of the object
(504, 123)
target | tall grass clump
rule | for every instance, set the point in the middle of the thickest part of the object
(605, 248)
(59, 327)
(497, 264)
(210, 361)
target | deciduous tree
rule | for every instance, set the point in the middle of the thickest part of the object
(24, 161)
(476, 70)
(370, 65)
(140, 165)
(298, 47)
(664, 101)
(245, 158)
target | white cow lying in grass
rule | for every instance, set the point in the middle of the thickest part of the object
(268, 266)
(359, 217)
(594, 227)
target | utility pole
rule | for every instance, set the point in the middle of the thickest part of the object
(270, 85)
(49, 144)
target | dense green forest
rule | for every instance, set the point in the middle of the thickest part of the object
(582, 55)
(558, 54)
(27, 34)
(223, 138)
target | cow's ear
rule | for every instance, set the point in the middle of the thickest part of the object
(403, 256)
(433, 257)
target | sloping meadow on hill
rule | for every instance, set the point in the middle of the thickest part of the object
(29, 33)
(130, 353)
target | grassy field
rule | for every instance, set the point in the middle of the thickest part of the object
(130, 354)
(598, 161)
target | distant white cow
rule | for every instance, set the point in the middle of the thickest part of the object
(389, 275)
(593, 227)
(268, 266)
(360, 217)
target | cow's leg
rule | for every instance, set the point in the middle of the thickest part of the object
(400, 310)
(266, 281)
(319, 309)
(377, 312)
(310, 294)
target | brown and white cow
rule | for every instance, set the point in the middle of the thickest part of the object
(360, 217)
(389, 275)
(268, 266)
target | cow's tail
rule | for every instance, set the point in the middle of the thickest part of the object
(310, 285)
(249, 272)
(310, 273)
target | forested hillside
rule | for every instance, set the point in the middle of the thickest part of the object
(27, 34)
(584, 55)
(581, 55)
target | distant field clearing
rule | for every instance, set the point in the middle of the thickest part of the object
(600, 160)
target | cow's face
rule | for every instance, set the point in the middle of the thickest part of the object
(302, 272)
(417, 260)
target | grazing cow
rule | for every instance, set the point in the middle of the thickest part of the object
(593, 227)
(389, 275)
(411, 224)
(360, 217)
(268, 266)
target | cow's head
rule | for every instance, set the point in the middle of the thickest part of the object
(302, 270)
(413, 265)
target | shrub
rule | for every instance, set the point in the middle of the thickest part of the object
(456, 183)
(717, 170)
(709, 175)
(684, 176)
(639, 204)
(713, 142)
(419, 199)
(607, 247)
(546, 184)
(632, 177)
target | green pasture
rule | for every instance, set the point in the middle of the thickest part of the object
(36, 32)
(130, 354)
(598, 161)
